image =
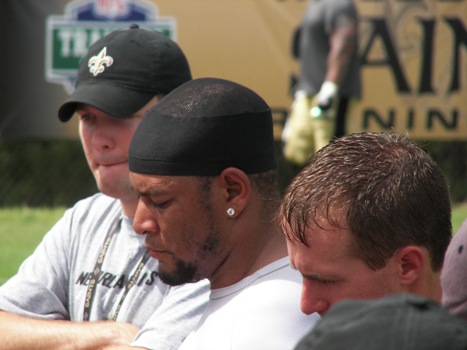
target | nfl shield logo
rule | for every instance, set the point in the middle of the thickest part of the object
(68, 37)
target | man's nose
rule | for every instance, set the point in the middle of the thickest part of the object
(144, 222)
(312, 300)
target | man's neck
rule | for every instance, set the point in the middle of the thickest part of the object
(129, 207)
(250, 257)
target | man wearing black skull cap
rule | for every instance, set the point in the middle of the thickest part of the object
(203, 163)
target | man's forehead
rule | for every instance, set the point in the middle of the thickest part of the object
(327, 241)
(161, 184)
(325, 265)
(151, 183)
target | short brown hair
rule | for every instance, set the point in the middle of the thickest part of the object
(390, 193)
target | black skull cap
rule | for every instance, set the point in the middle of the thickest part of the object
(203, 127)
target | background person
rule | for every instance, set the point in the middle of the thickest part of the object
(92, 266)
(369, 216)
(401, 321)
(329, 78)
(207, 204)
(453, 276)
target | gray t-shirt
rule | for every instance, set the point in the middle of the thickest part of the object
(53, 282)
(320, 20)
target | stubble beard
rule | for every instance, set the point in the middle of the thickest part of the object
(209, 252)
(184, 273)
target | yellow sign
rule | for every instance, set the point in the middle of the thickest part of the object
(414, 67)
(414, 57)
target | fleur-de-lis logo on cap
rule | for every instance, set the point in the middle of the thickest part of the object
(98, 63)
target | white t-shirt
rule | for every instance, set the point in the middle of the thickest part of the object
(53, 282)
(261, 312)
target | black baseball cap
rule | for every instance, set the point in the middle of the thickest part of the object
(124, 70)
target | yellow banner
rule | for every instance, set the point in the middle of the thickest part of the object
(414, 57)
(414, 67)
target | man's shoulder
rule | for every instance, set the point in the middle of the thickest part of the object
(98, 200)
(98, 207)
(280, 269)
(280, 275)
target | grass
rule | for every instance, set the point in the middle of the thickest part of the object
(459, 214)
(21, 230)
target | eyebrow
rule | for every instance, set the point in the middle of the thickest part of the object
(151, 192)
(313, 276)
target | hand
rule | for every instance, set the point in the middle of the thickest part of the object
(119, 333)
(327, 95)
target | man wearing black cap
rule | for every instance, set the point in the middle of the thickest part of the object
(203, 163)
(92, 266)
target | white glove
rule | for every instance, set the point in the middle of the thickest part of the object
(327, 94)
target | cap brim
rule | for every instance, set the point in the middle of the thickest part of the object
(114, 100)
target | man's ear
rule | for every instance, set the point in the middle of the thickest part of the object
(236, 188)
(411, 264)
